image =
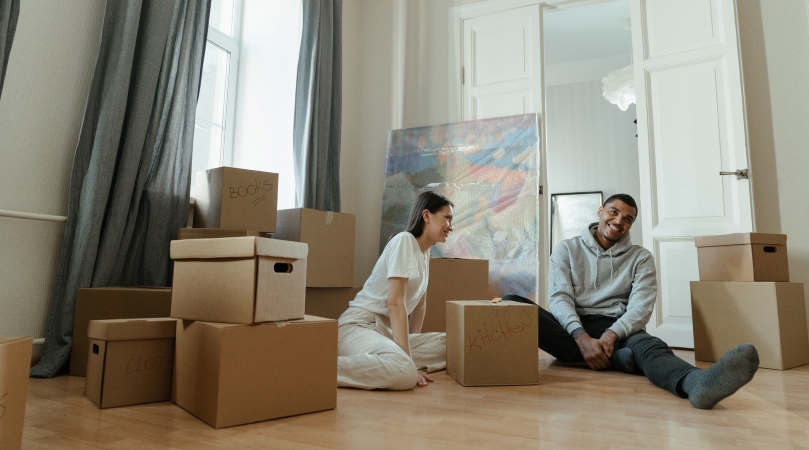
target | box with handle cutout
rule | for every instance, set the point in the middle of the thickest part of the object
(129, 361)
(238, 280)
(743, 257)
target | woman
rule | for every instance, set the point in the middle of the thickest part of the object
(379, 343)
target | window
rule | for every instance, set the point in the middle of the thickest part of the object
(213, 133)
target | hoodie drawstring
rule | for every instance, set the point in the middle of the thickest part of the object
(612, 266)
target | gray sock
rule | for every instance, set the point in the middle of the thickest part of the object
(623, 360)
(706, 388)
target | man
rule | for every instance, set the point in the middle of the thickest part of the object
(601, 294)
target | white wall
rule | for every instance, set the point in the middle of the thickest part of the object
(46, 86)
(584, 70)
(397, 70)
(368, 96)
(775, 59)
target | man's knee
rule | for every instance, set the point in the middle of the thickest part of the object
(642, 342)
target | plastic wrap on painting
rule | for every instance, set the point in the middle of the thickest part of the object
(490, 170)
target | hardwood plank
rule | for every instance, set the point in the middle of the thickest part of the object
(571, 407)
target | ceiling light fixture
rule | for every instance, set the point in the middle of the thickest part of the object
(619, 87)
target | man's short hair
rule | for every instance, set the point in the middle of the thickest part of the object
(626, 198)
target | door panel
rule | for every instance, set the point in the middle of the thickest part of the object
(681, 25)
(685, 116)
(501, 104)
(502, 64)
(675, 258)
(691, 126)
(500, 52)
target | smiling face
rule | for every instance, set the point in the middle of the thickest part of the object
(438, 225)
(614, 221)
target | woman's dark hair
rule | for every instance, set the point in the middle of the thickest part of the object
(430, 201)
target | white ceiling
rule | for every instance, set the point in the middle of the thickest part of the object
(587, 32)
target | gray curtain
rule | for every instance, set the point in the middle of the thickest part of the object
(9, 12)
(129, 186)
(316, 134)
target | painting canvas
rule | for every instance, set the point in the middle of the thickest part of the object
(490, 170)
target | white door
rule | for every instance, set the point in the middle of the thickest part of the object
(502, 64)
(691, 126)
(498, 64)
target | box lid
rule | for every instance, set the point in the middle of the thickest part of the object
(237, 247)
(127, 288)
(740, 239)
(131, 329)
(460, 259)
(487, 303)
(306, 319)
(6, 339)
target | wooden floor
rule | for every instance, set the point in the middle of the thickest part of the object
(572, 407)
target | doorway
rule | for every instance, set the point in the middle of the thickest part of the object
(591, 143)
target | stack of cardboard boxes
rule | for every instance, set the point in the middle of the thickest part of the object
(245, 350)
(239, 347)
(744, 296)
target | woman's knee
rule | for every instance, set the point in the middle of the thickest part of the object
(403, 375)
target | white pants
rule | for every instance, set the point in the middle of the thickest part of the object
(368, 358)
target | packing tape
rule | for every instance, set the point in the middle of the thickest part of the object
(329, 217)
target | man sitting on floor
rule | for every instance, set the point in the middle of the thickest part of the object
(601, 294)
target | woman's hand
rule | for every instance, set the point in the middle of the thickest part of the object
(423, 379)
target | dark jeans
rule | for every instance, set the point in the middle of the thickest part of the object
(652, 356)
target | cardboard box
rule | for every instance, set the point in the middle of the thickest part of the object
(190, 221)
(130, 361)
(743, 257)
(213, 233)
(229, 375)
(235, 199)
(112, 303)
(238, 280)
(492, 343)
(15, 362)
(771, 316)
(329, 302)
(453, 279)
(330, 236)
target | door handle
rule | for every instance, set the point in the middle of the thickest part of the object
(740, 174)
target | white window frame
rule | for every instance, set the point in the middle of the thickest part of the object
(232, 45)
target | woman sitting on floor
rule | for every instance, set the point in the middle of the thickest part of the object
(380, 344)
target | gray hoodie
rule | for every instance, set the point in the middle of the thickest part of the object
(585, 279)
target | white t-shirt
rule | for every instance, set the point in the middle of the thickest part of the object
(402, 258)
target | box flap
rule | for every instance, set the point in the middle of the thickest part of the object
(740, 239)
(237, 247)
(114, 289)
(283, 323)
(484, 303)
(461, 259)
(7, 339)
(129, 329)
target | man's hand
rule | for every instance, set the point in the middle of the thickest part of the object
(593, 351)
(423, 379)
(607, 342)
